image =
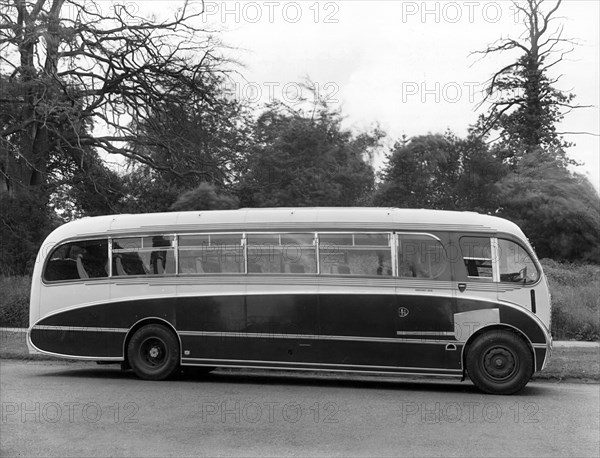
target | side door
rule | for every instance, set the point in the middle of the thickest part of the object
(476, 283)
(357, 300)
(281, 300)
(425, 301)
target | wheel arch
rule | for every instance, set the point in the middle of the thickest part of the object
(490, 328)
(140, 324)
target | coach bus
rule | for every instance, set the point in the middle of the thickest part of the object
(370, 290)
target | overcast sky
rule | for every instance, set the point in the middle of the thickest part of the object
(403, 64)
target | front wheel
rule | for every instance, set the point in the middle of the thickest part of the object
(153, 352)
(499, 362)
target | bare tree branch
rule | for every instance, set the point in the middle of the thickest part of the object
(523, 103)
(91, 80)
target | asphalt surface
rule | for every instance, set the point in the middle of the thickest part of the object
(56, 408)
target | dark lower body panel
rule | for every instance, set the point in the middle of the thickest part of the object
(292, 331)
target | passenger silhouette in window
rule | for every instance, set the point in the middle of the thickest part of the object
(158, 259)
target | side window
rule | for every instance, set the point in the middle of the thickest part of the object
(292, 253)
(152, 255)
(78, 260)
(355, 254)
(211, 254)
(516, 266)
(477, 256)
(421, 256)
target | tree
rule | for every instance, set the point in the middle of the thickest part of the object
(23, 225)
(205, 197)
(413, 168)
(525, 105)
(82, 185)
(196, 138)
(306, 159)
(77, 82)
(442, 172)
(79, 77)
(557, 209)
(481, 168)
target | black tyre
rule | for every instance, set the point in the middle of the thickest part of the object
(499, 362)
(153, 352)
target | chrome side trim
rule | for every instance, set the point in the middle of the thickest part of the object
(425, 333)
(77, 328)
(457, 374)
(267, 335)
(283, 364)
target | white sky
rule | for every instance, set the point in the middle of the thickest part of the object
(403, 64)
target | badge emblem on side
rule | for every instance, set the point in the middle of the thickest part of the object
(402, 312)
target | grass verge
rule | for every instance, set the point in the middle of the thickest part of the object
(575, 300)
(572, 364)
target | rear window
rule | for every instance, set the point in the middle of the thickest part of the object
(78, 261)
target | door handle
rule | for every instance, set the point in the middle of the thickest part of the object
(462, 287)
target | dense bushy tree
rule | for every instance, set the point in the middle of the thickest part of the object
(303, 158)
(205, 197)
(440, 172)
(146, 190)
(559, 210)
(415, 173)
(83, 185)
(23, 225)
(480, 170)
(196, 138)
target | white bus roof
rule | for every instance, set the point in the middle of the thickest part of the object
(286, 219)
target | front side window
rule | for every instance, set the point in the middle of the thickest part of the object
(421, 256)
(291, 253)
(477, 256)
(516, 266)
(355, 254)
(152, 255)
(78, 261)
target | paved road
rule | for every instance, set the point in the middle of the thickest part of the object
(82, 409)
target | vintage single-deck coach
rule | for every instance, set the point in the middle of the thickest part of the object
(372, 290)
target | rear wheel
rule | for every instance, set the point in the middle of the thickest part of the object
(153, 352)
(499, 362)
